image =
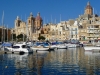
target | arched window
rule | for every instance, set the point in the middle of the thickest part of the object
(29, 21)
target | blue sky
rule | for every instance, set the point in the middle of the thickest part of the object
(69, 9)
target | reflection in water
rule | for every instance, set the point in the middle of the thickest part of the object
(58, 62)
(92, 63)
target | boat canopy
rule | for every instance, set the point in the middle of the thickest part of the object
(7, 44)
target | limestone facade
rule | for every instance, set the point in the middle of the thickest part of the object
(29, 28)
(84, 28)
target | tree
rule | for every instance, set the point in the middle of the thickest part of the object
(41, 38)
(20, 37)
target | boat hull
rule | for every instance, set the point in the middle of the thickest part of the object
(91, 48)
(34, 48)
(72, 45)
(62, 47)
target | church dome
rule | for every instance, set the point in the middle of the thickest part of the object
(88, 6)
(38, 17)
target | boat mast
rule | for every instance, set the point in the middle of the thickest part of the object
(12, 37)
(23, 35)
(93, 26)
(23, 30)
(44, 21)
(7, 33)
(55, 32)
(2, 25)
(60, 17)
(4, 33)
(32, 31)
(51, 19)
(26, 28)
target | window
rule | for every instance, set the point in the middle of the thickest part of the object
(23, 46)
(71, 36)
(16, 47)
(76, 29)
(29, 21)
(76, 32)
(18, 23)
(96, 26)
(60, 32)
(71, 33)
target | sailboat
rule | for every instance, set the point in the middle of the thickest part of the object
(90, 48)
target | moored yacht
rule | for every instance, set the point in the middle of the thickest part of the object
(62, 46)
(89, 48)
(20, 48)
(69, 45)
(42, 46)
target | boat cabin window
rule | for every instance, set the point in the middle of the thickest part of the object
(24, 46)
(16, 47)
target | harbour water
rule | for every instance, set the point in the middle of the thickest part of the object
(58, 62)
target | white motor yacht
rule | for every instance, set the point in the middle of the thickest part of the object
(19, 48)
(61, 46)
(89, 48)
(39, 48)
(72, 45)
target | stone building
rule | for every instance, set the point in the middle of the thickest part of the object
(89, 28)
(84, 28)
(48, 31)
(29, 28)
(5, 34)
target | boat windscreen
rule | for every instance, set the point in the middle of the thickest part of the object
(24, 46)
(16, 47)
